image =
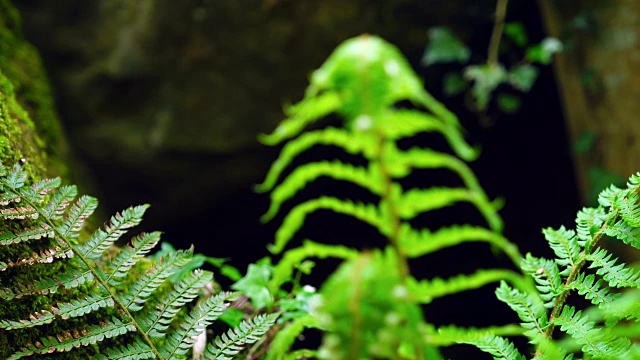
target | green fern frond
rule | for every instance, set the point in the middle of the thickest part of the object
(547, 276)
(157, 319)
(329, 136)
(595, 291)
(499, 347)
(28, 233)
(627, 233)
(588, 223)
(179, 341)
(425, 291)
(139, 292)
(595, 341)
(285, 337)
(137, 350)
(529, 309)
(235, 340)
(79, 212)
(101, 240)
(566, 247)
(294, 219)
(416, 243)
(309, 249)
(126, 258)
(68, 340)
(305, 174)
(452, 334)
(628, 208)
(617, 275)
(302, 114)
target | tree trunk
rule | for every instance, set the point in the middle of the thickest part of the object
(599, 86)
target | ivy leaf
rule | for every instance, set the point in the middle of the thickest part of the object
(454, 84)
(255, 285)
(522, 77)
(542, 53)
(444, 47)
(486, 78)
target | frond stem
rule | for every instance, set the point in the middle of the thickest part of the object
(496, 34)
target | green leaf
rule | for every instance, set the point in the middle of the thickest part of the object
(510, 104)
(256, 285)
(499, 347)
(517, 33)
(522, 77)
(542, 53)
(236, 340)
(444, 47)
(486, 79)
(454, 84)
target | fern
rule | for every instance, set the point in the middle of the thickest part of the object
(362, 82)
(593, 272)
(116, 307)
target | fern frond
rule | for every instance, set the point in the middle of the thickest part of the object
(36, 193)
(406, 123)
(595, 290)
(285, 337)
(294, 219)
(330, 136)
(304, 174)
(425, 291)
(39, 231)
(627, 233)
(588, 223)
(68, 340)
(628, 208)
(499, 347)
(451, 334)
(548, 279)
(55, 208)
(15, 179)
(234, 340)
(416, 243)
(565, 245)
(140, 290)
(292, 257)
(595, 341)
(137, 350)
(70, 279)
(65, 311)
(617, 275)
(42, 257)
(101, 240)
(129, 256)
(302, 114)
(79, 212)
(179, 341)
(157, 318)
(529, 309)
(607, 196)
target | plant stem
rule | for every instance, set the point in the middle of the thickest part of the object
(496, 34)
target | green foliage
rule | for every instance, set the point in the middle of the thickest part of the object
(593, 272)
(371, 306)
(113, 305)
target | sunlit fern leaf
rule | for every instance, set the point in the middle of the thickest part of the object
(425, 291)
(235, 340)
(548, 279)
(588, 223)
(158, 317)
(329, 136)
(128, 256)
(309, 249)
(137, 350)
(138, 292)
(617, 275)
(416, 243)
(305, 174)
(606, 196)
(15, 179)
(68, 340)
(36, 193)
(451, 334)
(285, 337)
(629, 208)
(595, 341)
(499, 347)
(629, 234)
(529, 309)
(595, 290)
(407, 123)
(101, 240)
(294, 219)
(179, 341)
(301, 115)
(566, 247)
